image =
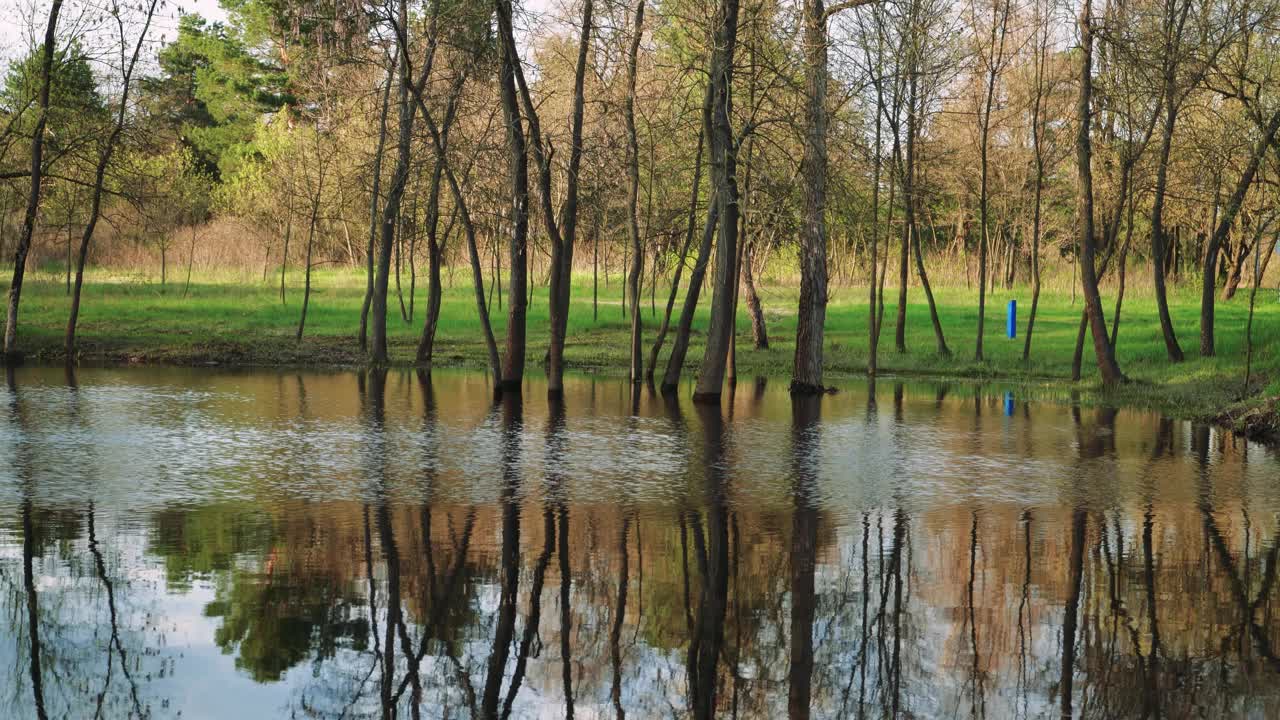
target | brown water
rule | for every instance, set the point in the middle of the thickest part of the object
(210, 544)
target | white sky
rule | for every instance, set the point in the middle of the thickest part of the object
(22, 21)
(16, 20)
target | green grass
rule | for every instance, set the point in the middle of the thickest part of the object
(230, 320)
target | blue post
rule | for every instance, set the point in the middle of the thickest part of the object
(1011, 325)
(1008, 404)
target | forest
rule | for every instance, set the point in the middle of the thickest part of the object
(453, 181)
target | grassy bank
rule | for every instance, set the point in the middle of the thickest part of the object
(231, 321)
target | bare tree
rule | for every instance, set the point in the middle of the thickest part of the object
(104, 159)
(1111, 374)
(992, 58)
(33, 195)
(724, 182)
(374, 197)
(633, 195)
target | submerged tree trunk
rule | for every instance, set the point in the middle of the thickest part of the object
(680, 346)
(33, 195)
(391, 211)
(724, 180)
(426, 343)
(633, 197)
(561, 281)
(374, 197)
(874, 303)
(811, 316)
(469, 231)
(1111, 374)
(518, 172)
(684, 254)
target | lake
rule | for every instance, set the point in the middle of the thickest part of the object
(257, 544)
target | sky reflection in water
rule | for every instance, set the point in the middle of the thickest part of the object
(266, 544)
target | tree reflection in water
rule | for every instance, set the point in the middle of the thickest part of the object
(390, 547)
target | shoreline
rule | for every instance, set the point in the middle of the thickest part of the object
(1255, 417)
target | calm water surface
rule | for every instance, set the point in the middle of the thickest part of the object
(209, 544)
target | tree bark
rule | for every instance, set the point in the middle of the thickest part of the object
(633, 197)
(724, 181)
(311, 236)
(759, 332)
(469, 231)
(1042, 31)
(518, 174)
(33, 195)
(909, 193)
(811, 316)
(697, 276)
(999, 20)
(99, 179)
(1110, 370)
(374, 197)
(391, 210)
(684, 254)
(426, 343)
(284, 255)
(1123, 268)
(562, 246)
(1229, 212)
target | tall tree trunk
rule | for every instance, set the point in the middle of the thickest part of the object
(684, 254)
(1123, 268)
(633, 197)
(595, 268)
(904, 263)
(469, 231)
(561, 281)
(99, 179)
(311, 236)
(909, 192)
(399, 254)
(391, 210)
(1229, 212)
(811, 316)
(1111, 374)
(284, 255)
(518, 174)
(680, 346)
(724, 181)
(759, 332)
(873, 304)
(1158, 249)
(1037, 135)
(33, 195)
(426, 343)
(374, 197)
(191, 261)
(999, 20)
